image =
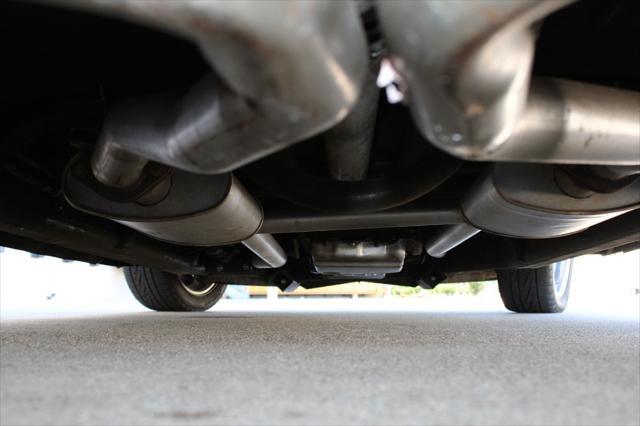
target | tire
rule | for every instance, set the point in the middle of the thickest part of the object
(162, 291)
(541, 290)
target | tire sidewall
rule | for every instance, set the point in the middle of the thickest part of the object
(163, 291)
(562, 299)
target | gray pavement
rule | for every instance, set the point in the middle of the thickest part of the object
(350, 367)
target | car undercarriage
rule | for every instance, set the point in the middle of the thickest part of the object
(316, 143)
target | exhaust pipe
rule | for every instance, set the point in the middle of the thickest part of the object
(468, 66)
(575, 123)
(449, 238)
(193, 210)
(282, 71)
(269, 252)
(530, 201)
(348, 145)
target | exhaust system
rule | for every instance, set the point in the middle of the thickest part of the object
(533, 201)
(282, 72)
(468, 68)
(285, 71)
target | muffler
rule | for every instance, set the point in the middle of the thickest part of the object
(282, 71)
(193, 210)
(533, 201)
(467, 66)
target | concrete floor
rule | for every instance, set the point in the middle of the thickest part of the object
(348, 367)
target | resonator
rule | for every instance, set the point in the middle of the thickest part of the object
(362, 259)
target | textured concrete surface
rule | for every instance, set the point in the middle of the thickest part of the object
(353, 367)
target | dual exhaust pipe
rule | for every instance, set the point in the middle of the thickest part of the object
(285, 71)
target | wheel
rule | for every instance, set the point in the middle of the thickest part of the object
(541, 290)
(162, 291)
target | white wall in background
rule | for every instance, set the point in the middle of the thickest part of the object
(601, 285)
(606, 283)
(30, 282)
